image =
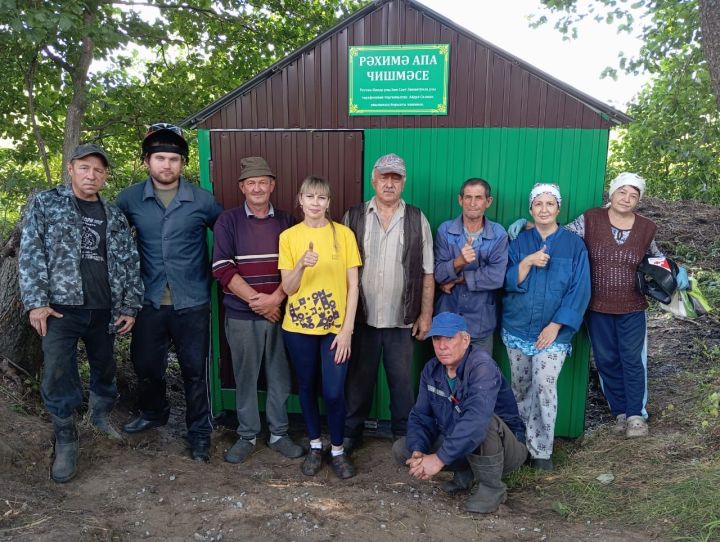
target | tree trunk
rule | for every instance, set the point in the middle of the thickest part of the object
(78, 104)
(18, 340)
(710, 35)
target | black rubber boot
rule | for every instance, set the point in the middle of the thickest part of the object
(67, 446)
(462, 480)
(99, 409)
(490, 491)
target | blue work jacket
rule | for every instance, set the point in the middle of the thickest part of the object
(461, 418)
(558, 292)
(172, 242)
(475, 298)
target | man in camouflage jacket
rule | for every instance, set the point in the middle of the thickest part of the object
(79, 278)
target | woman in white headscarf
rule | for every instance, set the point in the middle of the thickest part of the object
(617, 239)
(547, 289)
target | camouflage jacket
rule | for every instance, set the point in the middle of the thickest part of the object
(50, 255)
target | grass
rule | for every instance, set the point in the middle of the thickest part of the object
(667, 485)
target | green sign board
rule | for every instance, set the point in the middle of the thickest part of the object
(398, 79)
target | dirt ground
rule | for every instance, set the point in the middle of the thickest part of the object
(150, 489)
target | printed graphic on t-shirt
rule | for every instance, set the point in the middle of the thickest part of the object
(317, 311)
(90, 245)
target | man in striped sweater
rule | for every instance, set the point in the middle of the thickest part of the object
(245, 259)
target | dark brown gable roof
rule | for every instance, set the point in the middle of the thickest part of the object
(489, 87)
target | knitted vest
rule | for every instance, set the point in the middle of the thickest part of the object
(613, 266)
(412, 258)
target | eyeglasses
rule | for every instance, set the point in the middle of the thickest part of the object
(164, 126)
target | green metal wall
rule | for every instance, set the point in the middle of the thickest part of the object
(438, 161)
(512, 160)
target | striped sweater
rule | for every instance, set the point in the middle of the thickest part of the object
(247, 246)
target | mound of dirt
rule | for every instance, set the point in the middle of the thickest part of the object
(686, 228)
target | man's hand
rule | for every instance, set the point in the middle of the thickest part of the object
(467, 251)
(124, 324)
(424, 466)
(266, 305)
(421, 326)
(38, 319)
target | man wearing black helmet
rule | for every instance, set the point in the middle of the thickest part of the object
(171, 217)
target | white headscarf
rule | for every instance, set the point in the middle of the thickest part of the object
(627, 179)
(545, 188)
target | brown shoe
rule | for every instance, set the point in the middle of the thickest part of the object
(313, 462)
(342, 466)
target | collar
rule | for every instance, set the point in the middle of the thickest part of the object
(372, 207)
(184, 192)
(457, 228)
(249, 213)
(67, 191)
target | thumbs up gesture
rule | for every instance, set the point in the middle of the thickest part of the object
(539, 258)
(468, 252)
(310, 257)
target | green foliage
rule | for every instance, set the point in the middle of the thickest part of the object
(161, 67)
(675, 140)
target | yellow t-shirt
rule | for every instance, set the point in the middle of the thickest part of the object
(318, 307)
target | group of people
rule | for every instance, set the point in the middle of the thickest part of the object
(328, 300)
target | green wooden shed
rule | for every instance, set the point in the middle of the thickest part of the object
(398, 77)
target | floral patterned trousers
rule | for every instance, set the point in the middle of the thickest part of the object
(534, 384)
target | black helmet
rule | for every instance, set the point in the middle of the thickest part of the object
(164, 137)
(657, 278)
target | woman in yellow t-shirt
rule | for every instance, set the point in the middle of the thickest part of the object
(319, 262)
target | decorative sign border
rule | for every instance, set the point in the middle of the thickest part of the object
(409, 62)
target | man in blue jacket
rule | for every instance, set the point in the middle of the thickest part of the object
(465, 420)
(471, 254)
(171, 217)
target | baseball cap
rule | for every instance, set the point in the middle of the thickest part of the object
(81, 151)
(390, 163)
(254, 166)
(447, 324)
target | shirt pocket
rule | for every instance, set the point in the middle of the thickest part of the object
(61, 229)
(559, 273)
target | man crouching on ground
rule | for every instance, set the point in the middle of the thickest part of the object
(465, 420)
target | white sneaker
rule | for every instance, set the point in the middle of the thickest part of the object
(636, 427)
(620, 425)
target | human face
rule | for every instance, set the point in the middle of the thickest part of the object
(164, 168)
(314, 205)
(545, 210)
(450, 350)
(625, 199)
(388, 187)
(257, 191)
(87, 177)
(474, 202)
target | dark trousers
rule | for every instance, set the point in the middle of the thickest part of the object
(618, 343)
(189, 332)
(396, 347)
(310, 356)
(61, 389)
(499, 439)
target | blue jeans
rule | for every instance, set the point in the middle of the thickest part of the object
(619, 347)
(189, 331)
(61, 389)
(310, 356)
